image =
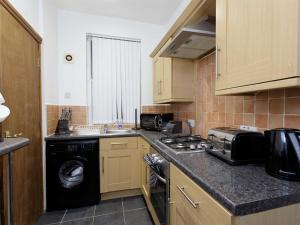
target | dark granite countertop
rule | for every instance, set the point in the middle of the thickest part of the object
(240, 189)
(12, 144)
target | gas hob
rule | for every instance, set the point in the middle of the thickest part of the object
(185, 144)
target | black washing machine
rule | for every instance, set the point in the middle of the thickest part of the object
(72, 173)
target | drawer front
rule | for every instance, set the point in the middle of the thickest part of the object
(119, 143)
(197, 201)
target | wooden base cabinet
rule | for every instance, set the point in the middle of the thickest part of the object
(191, 205)
(145, 170)
(258, 45)
(173, 80)
(119, 164)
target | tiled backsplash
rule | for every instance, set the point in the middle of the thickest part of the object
(52, 117)
(79, 116)
(265, 110)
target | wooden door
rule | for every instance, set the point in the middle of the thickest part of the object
(260, 41)
(20, 85)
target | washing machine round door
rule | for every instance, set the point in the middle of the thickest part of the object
(71, 173)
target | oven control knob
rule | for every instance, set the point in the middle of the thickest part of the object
(192, 147)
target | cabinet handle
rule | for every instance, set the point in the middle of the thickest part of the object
(194, 204)
(103, 164)
(159, 87)
(118, 144)
(218, 74)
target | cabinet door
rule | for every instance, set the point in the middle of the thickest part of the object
(180, 213)
(166, 91)
(260, 41)
(145, 172)
(157, 79)
(145, 175)
(120, 170)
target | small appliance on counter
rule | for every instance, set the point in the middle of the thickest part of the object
(64, 122)
(155, 122)
(236, 146)
(283, 153)
(172, 127)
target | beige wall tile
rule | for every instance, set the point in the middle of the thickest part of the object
(292, 106)
(276, 106)
(261, 106)
(276, 121)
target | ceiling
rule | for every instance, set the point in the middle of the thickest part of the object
(149, 11)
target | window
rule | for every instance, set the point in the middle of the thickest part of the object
(114, 68)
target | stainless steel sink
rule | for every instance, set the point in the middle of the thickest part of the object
(119, 131)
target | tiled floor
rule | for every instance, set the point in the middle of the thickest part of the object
(125, 211)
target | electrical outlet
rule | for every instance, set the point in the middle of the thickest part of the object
(192, 123)
(248, 128)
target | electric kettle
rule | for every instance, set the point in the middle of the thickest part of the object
(283, 153)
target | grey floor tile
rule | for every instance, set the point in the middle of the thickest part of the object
(87, 221)
(110, 219)
(136, 202)
(79, 213)
(50, 217)
(109, 206)
(138, 217)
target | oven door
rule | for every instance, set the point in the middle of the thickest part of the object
(159, 194)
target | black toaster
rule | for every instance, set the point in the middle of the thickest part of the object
(236, 146)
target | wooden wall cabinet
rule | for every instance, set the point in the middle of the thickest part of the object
(257, 45)
(119, 164)
(173, 80)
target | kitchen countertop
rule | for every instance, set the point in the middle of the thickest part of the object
(240, 189)
(12, 144)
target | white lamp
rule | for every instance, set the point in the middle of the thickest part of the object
(4, 110)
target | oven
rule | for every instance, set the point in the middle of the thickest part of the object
(159, 185)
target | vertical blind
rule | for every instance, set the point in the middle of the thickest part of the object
(115, 79)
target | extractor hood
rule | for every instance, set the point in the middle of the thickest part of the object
(193, 42)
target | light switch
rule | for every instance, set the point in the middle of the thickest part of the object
(67, 95)
(192, 123)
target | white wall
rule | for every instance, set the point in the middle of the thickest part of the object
(72, 30)
(49, 50)
(176, 14)
(29, 9)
